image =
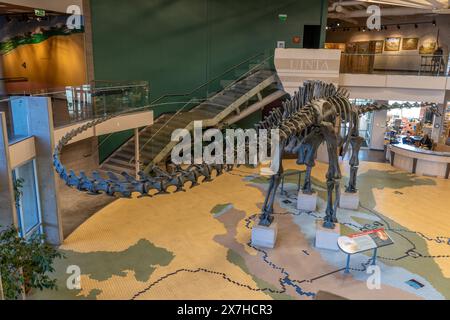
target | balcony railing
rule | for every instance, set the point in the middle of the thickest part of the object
(400, 64)
(87, 102)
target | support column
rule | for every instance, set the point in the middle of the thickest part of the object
(2, 297)
(33, 116)
(8, 214)
(437, 124)
(137, 153)
(378, 128)
(2, 75)
(88, 47)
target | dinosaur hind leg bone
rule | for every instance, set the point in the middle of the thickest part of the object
(356, 143)
(333, 175)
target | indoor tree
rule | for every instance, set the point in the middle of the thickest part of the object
(25, 264)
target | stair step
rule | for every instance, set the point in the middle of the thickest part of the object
(157, 144)
(122, 156)
(121, 163)
(212, 108)
(116, 169)
(239, 90)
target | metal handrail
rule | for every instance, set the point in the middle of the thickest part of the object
(172, 95)
(395, 54)
(207, 82)
(225, 88)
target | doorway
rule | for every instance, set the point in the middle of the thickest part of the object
(311, 36)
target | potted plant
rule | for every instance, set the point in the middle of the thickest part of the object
(25, 264)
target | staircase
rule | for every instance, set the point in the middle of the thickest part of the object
(155, 142)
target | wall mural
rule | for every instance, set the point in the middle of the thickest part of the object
(15, 33)
(45, 54)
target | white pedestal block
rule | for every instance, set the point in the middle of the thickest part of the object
(327, 238)
(307, 202)
(264, 237)
(349, 201)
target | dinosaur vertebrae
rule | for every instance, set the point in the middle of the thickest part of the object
(156, 181)
(304, 109)
(298, 114)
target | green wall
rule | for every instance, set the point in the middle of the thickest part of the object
(177, 45)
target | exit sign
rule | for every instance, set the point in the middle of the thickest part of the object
(282, 17)
(39, 12)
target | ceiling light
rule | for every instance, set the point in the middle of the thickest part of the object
(398, 27)
(434, 23)
(416, 26)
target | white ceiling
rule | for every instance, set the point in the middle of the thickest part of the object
(421, 4)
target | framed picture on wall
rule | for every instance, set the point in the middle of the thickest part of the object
(392, 44)
(363, 47)
(410, 43)
(379, 46)
(338, 46)
(351, 47)
(427, 47)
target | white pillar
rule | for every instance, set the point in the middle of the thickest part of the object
(8, 214)
(33, 116)
(378, 130)
(437, 124)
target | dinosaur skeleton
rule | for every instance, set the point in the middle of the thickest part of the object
(315, 114)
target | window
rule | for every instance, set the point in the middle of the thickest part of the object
(27, 199)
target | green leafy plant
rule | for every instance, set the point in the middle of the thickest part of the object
(18, 193)
(25, 264)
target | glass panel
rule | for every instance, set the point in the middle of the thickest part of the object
(395, 63)
(27, 198)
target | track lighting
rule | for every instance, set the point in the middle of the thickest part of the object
(434, 23)
(398, 27)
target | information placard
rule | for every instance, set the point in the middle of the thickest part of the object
(364, 241)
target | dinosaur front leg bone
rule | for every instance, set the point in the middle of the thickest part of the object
(356, 143)
(266, 216)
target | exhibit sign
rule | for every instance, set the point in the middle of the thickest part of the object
(39, 12)
(364, 241)
(282, 17)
